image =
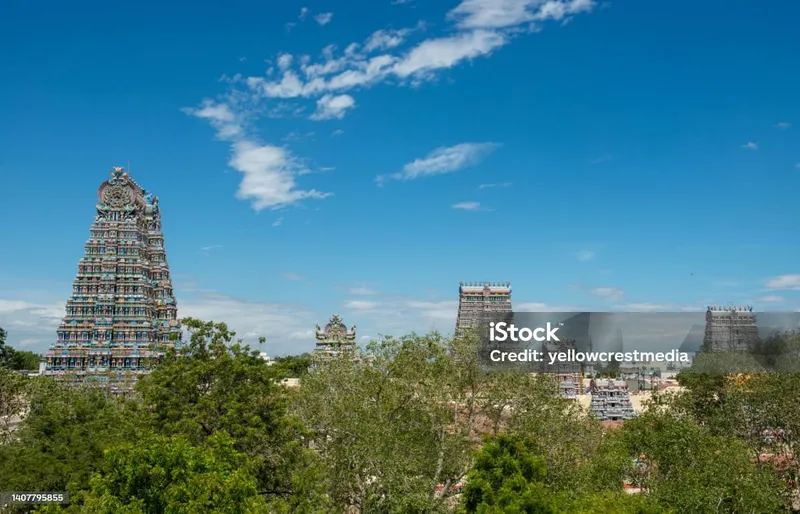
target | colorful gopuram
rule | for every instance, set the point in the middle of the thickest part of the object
(335, 339)
(122, 313)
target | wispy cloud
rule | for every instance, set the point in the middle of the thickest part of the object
(362, 291)
(269, 173)
(467, 206)
(331, 107)
(585, 255)
(444, 160)
(337, 132)
(293, 276)
(750, 146)
(784, 282)
(209, 248)
(278, 222)
(611, 294)
(488, 186)
(603, 158)
(490, 14)
(770, 299)
(361, 305)
(783, 125)
(323, 18)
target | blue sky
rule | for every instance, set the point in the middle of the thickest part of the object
(362, 158)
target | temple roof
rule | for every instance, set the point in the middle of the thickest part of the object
(335, 331)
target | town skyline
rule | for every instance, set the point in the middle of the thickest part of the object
(432, 144)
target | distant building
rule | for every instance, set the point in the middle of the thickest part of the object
(611, 400)
(335, 340)
(568, 373)
(730, 328)
(481, 301)
(122, 313)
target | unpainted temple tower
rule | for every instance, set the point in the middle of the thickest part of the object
(480, 301)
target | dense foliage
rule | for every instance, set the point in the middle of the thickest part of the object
(16, 359)
(415, 427)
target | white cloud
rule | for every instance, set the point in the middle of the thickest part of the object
(750, 146)
(268, 171)
(209, 248)
(467, 206)
(658, 307)
(784, 282)
(783, 125)
(488, 186)
(385, 39)
(333, 107)
(337, 132)
(496, 14)
(361, 305)
(278, 222)
(31, 318)
(446, 160)
(284, 61)
(770, 298)
(362, 291)
(585, 255)
(323, 18)
(611, 294)
(269, 176)
(293, 276)
(446, 52)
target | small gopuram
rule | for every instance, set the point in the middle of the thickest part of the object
(335, 340)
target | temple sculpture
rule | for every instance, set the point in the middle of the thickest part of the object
(122, 313)
(335, 339)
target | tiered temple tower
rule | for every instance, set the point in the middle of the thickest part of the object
(335, 339)
(122, 314)
(479, 301)
(568, 374)
(730, 328)
(611, 400)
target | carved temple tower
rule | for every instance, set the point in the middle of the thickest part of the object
(480, 300)
(335, 339)
(730, 328)
(122, 313)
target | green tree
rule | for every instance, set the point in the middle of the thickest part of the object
(169, 474)
(23, 360)
(384, 429)
(215, 386)
(685, 466)
(292, 366)
(12, 402)
(510, 476)
(62, 438)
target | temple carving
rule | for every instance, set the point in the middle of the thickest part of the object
(335, 339)
(122, 313)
